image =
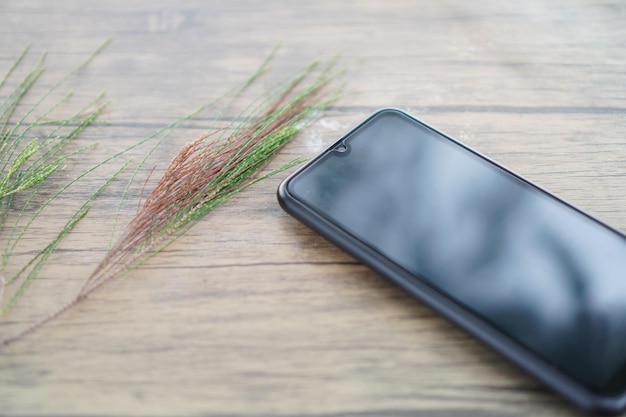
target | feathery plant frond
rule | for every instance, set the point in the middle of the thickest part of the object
(26, 161)
(212, 168)
(209, 170)
(32, 148)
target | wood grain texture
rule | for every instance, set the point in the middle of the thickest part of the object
(251, 313)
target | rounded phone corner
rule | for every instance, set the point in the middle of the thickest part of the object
(282, 193)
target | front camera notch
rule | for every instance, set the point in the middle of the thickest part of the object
(341, 148)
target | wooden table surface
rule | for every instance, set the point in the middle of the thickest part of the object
(251, 313)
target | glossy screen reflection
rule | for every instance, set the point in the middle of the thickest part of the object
(543, 273)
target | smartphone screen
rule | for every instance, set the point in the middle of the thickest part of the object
(532, 268)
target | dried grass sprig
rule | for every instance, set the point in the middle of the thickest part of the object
(229, 97)
(208, 171)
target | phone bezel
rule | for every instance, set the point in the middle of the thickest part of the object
(500, 342)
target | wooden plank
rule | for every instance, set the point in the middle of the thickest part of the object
(251, 313)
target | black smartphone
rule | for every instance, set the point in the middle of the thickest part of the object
(537, 279)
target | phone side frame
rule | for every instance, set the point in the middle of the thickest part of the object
(453, 311)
